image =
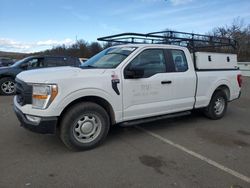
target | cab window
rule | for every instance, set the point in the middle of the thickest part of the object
(149, 62)
(179, 60)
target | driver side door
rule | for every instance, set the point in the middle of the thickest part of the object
(142, 95)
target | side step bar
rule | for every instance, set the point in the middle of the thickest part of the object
(155, 118)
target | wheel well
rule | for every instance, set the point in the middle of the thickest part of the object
(225, 89)
(98, 100)
(4, 76)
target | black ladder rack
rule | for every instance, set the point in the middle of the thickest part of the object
(192, 41)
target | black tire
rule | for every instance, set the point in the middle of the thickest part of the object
(214, 112)
(7, 86)
(71, 132)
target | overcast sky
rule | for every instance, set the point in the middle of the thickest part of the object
(28, 26)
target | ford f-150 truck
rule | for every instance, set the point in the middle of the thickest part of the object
(124, 84)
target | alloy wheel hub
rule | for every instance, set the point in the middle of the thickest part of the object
(8, 87)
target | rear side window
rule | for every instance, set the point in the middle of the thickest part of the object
(60, 61)
(71, 61)
(51, 62)
(56, 61)
(179, 60)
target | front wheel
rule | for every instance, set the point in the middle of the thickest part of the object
(217, 106)
(7, 86)
(84, 126)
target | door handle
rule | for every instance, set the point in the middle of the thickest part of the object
(166, 82)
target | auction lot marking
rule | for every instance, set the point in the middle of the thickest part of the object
(196, 155)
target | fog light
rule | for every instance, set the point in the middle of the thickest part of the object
(33, 119)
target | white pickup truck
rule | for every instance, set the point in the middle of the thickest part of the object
(124, 84)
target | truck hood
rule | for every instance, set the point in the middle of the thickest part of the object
(4, 69)
(52, 75)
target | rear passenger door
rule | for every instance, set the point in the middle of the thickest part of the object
(183, 81)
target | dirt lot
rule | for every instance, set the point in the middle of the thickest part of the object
(190, 151)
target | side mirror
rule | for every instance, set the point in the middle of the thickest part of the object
(133, 73)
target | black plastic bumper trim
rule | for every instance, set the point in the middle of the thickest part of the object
(47, 125)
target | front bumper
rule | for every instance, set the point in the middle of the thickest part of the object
(47, 125)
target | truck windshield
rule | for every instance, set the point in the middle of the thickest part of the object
(109, 58)
(18, 63)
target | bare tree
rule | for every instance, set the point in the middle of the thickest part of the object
(239, 32)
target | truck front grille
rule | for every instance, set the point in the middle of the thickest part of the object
(23, 92)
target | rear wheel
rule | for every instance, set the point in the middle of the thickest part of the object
(7, 86)
(84, 126)
(217, 106)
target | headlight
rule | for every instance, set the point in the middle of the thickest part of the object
(43, 95)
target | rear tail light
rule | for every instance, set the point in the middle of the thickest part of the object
(239, 79)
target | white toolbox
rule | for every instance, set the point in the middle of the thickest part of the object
(212, 60)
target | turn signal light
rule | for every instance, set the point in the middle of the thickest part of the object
(40, 97)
